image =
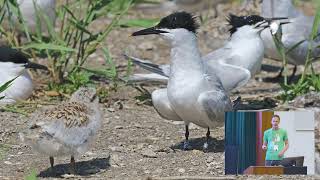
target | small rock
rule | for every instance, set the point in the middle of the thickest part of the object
(147, 172)
(116, 148)
(148, 153)
(195, 163)
(181, 170)
(19, 153)
(8, 162)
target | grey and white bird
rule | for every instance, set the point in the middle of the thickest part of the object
(29, 9)
(67, 129)
(299, 29)
(234, 63)
(195, 93)
(14, 63)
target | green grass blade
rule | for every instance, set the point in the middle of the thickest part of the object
(294, 46)
(143, 23)
(48, 46)
(6, 86)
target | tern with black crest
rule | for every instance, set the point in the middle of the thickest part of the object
(14, 63)
(195, 93)
(234, 63)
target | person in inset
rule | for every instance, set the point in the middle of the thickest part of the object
(275, 141)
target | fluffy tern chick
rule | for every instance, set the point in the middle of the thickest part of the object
(67, 129)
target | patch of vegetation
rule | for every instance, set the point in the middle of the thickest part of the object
(309, 81)
(32, 175)
(69, 47)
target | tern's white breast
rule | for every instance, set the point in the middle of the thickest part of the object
(20, 89)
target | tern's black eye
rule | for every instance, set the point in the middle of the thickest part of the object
(179, 20)
(254, 19)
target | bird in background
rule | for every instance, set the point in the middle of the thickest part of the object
(15, 64)
(234, 63)
(299, 29)
(195, 93)
(67, 129)
(29, 9)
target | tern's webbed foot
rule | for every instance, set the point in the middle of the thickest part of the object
(205, 147)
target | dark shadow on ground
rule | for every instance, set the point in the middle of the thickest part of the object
(83, 168)
(215, 145)
(270, 68)
(266, 103)
(290, 79)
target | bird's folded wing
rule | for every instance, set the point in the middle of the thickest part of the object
(230, 75)
(215, 103)
(150, 77)
(163, 70)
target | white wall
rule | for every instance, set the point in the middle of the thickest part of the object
(300, 129)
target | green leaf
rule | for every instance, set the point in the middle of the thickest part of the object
(316, 24)
(144, 23)
(6, 86)
(48, 46)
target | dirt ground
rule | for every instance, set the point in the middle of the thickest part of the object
(134, 141)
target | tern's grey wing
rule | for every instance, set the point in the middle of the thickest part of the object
(221, 62)
(214, 104)
(151, 77)
(163, 70)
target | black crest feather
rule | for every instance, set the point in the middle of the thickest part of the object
(8, 54)
(179, 20)
(238, 21)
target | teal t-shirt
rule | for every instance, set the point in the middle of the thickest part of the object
(276, 142)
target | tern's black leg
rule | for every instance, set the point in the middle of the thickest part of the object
(278, 77)
(72, 165)
(236, 103)
(293, 73)
(186, 142)
(206, 144)
(51, 161)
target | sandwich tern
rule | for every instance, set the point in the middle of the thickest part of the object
(194, 92)
(233, 63)
(14, 63)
